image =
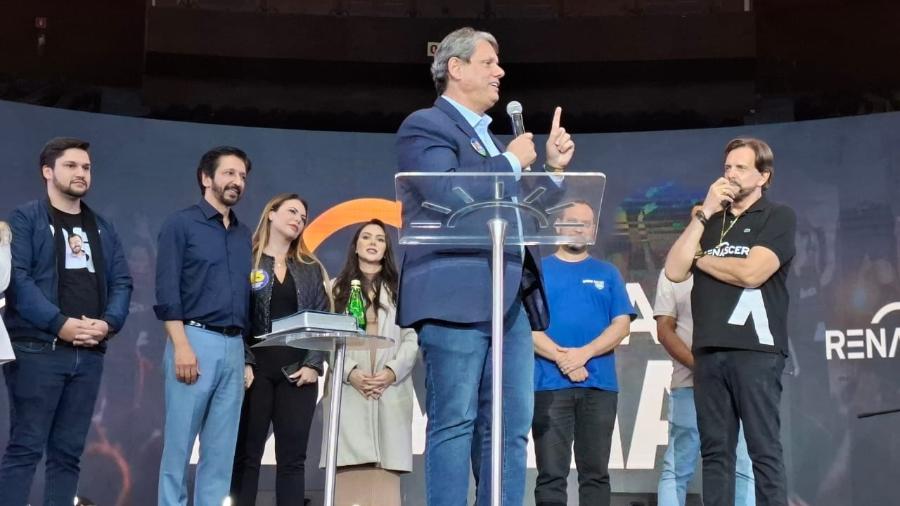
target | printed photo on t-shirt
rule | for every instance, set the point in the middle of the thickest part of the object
(78, 250)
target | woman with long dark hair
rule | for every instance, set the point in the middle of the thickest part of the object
(282, 383)
(375, 439)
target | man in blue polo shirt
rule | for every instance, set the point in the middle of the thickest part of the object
(576, 391)
(203, 295)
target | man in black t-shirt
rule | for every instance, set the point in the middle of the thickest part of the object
(739, 248)
(69, 293)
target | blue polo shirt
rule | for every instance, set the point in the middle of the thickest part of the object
(584, 297)
(203, 269)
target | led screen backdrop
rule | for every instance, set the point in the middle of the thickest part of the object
(841, 176)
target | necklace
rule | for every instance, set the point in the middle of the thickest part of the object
(279, 262)
(726, 230)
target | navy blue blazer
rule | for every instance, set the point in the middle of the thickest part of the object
(453, 283)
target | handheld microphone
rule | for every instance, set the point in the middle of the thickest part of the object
(726, 204)
(514, 110)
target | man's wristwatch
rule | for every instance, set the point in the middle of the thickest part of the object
(697, 256)
(550, 168)
(701, 217)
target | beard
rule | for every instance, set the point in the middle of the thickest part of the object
(223, 196)
(575, 249)
(742, 192)
(70, 189)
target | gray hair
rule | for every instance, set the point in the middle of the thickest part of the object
(460, 44)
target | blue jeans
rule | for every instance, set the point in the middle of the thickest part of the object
(51, 396)
(683, 452)
(458, 404)
(211, 407)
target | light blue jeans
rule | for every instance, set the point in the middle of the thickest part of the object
(211, 407)
(683, 452)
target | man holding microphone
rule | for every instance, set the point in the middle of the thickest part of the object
(445, 292)
(739, 247)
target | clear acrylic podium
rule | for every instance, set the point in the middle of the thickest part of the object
(493, 211)
(313, 330)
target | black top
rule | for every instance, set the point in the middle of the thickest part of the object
(729, 316)
(284, 303)
(78, 291)
(302, 288)
(284, 297)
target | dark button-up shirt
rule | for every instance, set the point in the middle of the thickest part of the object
(203, 269)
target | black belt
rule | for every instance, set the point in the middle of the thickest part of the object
(59, 342)
(230, 330)
(55, 342)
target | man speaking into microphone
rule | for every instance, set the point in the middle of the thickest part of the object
(739, 247)
(445, 292)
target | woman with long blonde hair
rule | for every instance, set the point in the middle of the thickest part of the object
(281, 382)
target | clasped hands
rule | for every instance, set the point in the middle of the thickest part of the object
(571, 361)
(84, 332)
(372, 386)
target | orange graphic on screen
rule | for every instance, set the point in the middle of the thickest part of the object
(349, 213)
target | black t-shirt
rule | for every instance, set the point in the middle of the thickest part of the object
(78, 291)
(729, 316)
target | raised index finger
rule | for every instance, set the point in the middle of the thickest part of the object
(556, 116)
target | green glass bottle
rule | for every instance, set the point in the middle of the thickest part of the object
(356, 305)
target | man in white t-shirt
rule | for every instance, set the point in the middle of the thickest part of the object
(675, 328)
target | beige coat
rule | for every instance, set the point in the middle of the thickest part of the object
(378, 432)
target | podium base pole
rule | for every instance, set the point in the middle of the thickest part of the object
(869, 414)
(334, 422)
(497, 227)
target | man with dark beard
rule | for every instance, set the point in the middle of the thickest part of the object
(576, 391)
(203, 294)
(739, 247)
(59, 318)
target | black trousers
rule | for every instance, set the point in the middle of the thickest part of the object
(289, 409)
(731, 386)
(587, 417)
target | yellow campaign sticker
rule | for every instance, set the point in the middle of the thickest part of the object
(259, 279)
